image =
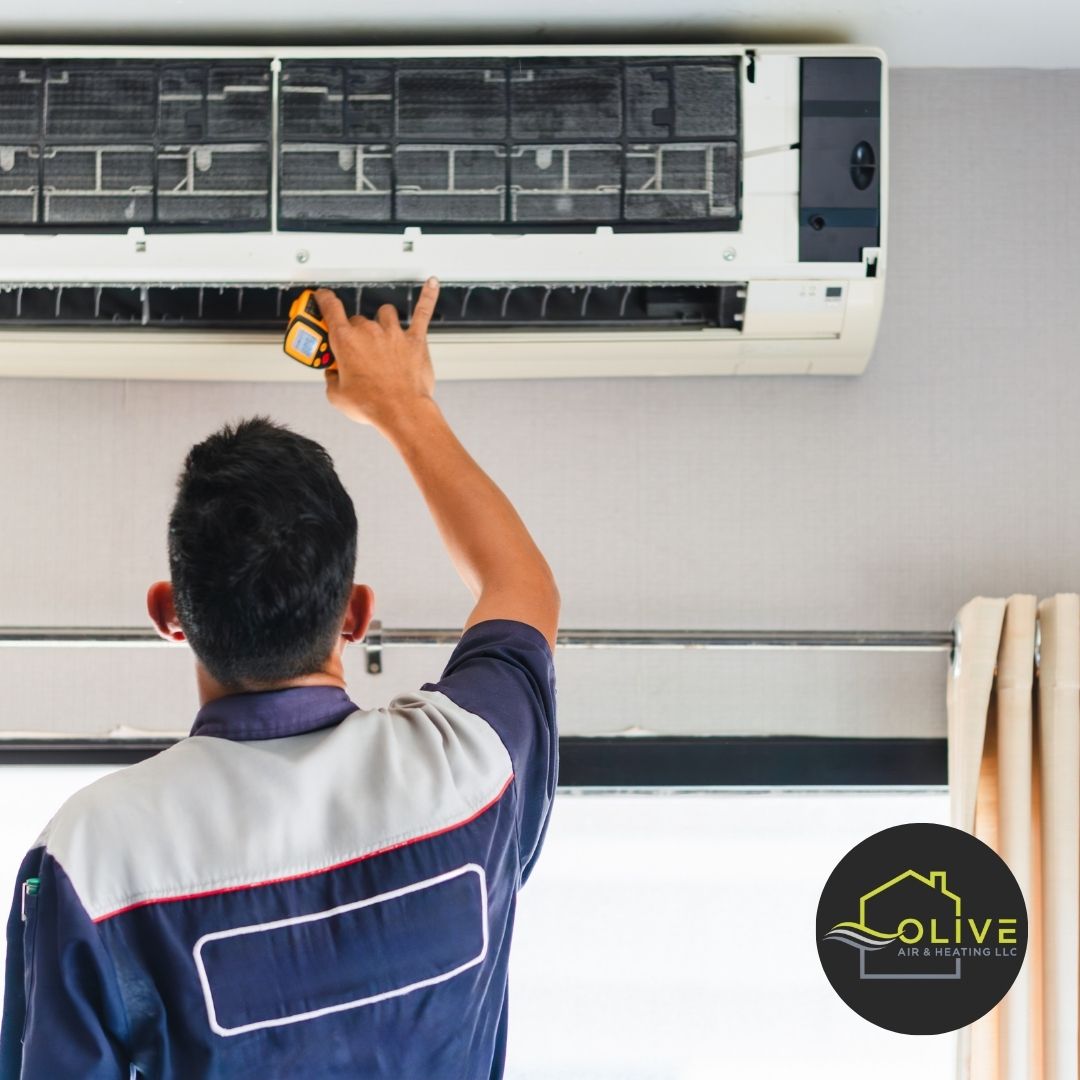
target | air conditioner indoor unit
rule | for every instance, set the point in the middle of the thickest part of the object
(591, 211)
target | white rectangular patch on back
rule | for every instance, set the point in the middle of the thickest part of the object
(289, 970)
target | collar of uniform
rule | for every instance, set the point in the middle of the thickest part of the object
(273, 714)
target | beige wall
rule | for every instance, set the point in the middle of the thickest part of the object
(880, 502)
(913, 34)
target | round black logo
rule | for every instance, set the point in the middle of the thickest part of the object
(921, 928)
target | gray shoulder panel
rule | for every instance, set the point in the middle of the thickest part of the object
(211, 814)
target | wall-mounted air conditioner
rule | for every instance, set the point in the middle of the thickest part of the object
(590, 210)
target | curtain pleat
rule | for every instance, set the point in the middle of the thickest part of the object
(1013, 716)
(971, 684)
(1059, 775)
(979, 628)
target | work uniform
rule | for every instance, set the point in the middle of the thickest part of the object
(301, 888)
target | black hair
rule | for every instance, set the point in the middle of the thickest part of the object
(262, 550)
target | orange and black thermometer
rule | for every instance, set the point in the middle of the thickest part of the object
(307, 337)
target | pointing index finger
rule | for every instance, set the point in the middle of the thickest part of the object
(332, 310)
(425, 307)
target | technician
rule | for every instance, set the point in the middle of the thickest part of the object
(303, 887)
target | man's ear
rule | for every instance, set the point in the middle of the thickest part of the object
(162, 611)
(358, 613)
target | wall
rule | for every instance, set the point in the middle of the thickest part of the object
(882, 502)
(1043, 34)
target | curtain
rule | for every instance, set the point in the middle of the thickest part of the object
(1013, 706)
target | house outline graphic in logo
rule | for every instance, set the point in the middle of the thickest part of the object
(860, 935)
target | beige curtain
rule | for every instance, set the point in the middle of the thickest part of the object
(1014, 781)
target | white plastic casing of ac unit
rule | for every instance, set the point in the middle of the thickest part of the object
(801, 318)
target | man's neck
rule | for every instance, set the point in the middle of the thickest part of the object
(210, 689)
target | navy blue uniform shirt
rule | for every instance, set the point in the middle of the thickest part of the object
(301, 888)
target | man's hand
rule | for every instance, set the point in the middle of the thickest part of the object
(381, 372)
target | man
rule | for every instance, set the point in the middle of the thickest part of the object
(304, 888)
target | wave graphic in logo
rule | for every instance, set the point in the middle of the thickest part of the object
(860, 937)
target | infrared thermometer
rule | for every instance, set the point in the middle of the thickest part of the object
(307, 338)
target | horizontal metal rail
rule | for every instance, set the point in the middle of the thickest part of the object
(378, 637)
(620, 763)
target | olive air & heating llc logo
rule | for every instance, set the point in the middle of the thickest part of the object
(921, 928)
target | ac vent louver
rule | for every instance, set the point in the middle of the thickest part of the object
(461, 306)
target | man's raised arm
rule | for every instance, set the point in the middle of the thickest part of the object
(383, 376)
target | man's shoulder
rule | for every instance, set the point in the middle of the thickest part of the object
(100, 810)
(412, 723)
(212, 814)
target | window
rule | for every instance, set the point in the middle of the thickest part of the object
(671, 937)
